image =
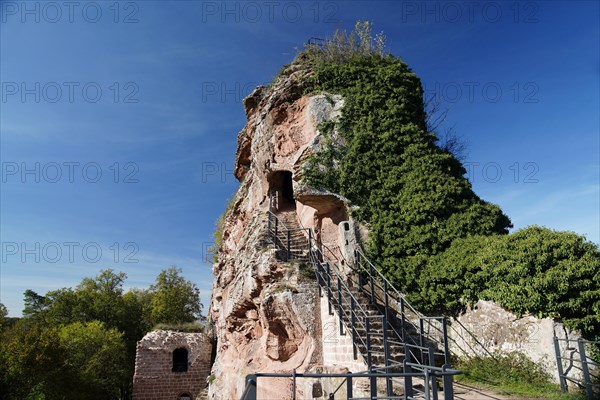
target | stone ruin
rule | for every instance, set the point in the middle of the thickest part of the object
(172, 365)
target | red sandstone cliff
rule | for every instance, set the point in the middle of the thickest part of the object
(266, 314)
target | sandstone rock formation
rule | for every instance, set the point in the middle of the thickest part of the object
(266, 313)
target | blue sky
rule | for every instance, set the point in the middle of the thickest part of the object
(119, 119)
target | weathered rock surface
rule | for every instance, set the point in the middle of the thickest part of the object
(487, 328)
(267, 314)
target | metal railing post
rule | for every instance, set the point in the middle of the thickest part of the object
(402, 320)
(446, 348)
(358, 267)
(561, 373)
(408, 387)
(589, 389)
(294, 384)
(353, 324)
(289, 244)
(320, 281)
(434, 386)
(368, 332)
(276, 229)
(349, 394)
(373, 380)
(329, 288)
(421, 341)
(372, 284)
(427, 378)
(339, 287)
(250, 391)
(448, 387)
(386, 355)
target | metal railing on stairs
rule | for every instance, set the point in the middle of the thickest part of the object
(391, 318)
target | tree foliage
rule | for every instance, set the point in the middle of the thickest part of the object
(412, 192)
(68, 362)
(95, 358)
(174, 299)
(82, 340)
(534, 270)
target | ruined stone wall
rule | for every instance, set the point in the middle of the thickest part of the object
(487, 328)
(154, 378)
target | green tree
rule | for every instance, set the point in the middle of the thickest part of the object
(174, 300)
(96, 360)
(31, 363)
(3, 314)
(103, 298)
(35, 304)
(548, 273)
(534, 270)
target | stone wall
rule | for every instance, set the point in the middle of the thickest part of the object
(487, 328)
(337, 348)
(154, 378)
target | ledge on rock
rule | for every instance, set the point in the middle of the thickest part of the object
(321, 200)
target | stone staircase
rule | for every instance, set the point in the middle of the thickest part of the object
(293, 242)
(388, 337)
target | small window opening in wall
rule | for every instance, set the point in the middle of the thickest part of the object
(346, 227)
(184, 396)
(180, 360)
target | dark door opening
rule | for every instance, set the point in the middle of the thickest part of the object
(281, 190)
(180, 360)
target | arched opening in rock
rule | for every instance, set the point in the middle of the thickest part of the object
(180, 360)
(281, 191)
(184, 396)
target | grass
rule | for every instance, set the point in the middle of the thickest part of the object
(512, 374)
(190, 327)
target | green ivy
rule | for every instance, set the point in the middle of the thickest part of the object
(413, 193)
(430, 233)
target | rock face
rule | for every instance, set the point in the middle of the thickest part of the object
(266, 313)
(171, 365)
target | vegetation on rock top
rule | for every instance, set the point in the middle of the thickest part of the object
(430, 233)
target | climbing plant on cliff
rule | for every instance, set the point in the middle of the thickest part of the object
(412, 192)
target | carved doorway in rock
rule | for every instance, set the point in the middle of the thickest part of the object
(281, 191)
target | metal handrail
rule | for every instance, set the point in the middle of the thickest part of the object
(423, 355)
(429, 378)
(362, 313)
(390, 288)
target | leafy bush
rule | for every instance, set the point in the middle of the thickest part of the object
(345, 46)
(217, 235)
(534, 270)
